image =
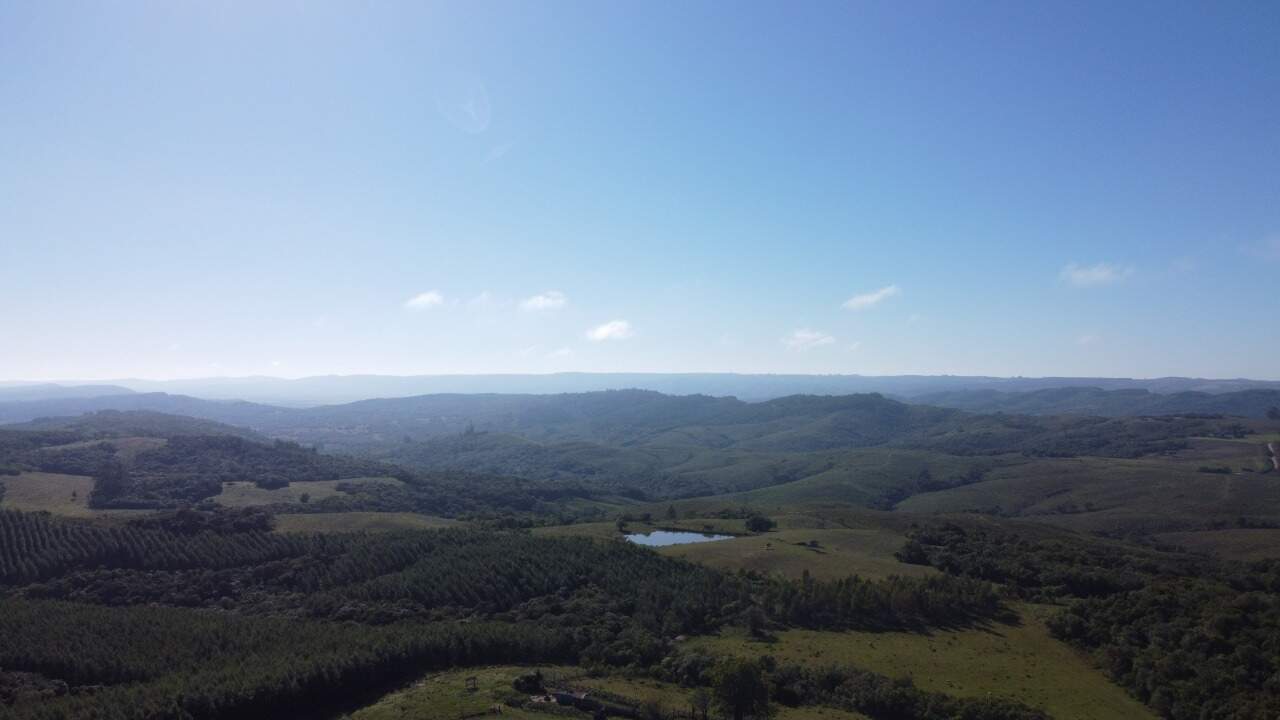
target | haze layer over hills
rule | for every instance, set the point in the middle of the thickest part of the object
(331, 389)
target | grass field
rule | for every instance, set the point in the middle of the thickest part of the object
(673, 697)
(840, 552)
(359, 521)
(58, 494)
(1092, 494)
(1022, 663)
(862, 476)
(246, 494)
(849, 542)
(445, 696)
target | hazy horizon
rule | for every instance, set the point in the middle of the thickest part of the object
(552, 373)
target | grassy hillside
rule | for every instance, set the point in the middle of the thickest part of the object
(49, 492)
(136, 423)
(1019, 661)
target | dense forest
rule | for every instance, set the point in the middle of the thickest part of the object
(123, 617)
(1190, 636)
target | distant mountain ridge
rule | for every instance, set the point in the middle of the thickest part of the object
(50, 391)
(335, 389)
(1253, 403)
(452, 412)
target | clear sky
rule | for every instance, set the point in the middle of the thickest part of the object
(295, 188)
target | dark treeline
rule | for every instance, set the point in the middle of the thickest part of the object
(840, 686)
(1190, 636)
(895, 602)
(883, 698)
(21, 450)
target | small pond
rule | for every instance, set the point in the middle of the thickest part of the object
(659, 538)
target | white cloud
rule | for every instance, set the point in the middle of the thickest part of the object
(806, 339)
(612, 330)
(1088, 339)
(549, 300)
(561, 352)
(855, 346)
(482, 300)
(871, 299)
(1093, 275)
(424, 301)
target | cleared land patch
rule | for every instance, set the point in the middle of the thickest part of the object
(246, 494)
(828, 542)
(1017, 662)
(52, 492)
(838, 553)
(359, 522)
(445, 696)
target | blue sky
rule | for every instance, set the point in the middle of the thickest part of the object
(196, 189)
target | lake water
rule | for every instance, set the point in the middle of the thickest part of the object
(659, 538)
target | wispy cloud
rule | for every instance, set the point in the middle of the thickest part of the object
(560, 352)
(807, 339)
(496, 153)
(612, 330)
(1089, 339)
(1094, 275)
(465, 103)
(871, 299)
(424, 301)
(1268, 249)
(549, 300)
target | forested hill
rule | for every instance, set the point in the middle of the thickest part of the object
(1255, 403)
(136, 423)
(230, 412)
(635, 418)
